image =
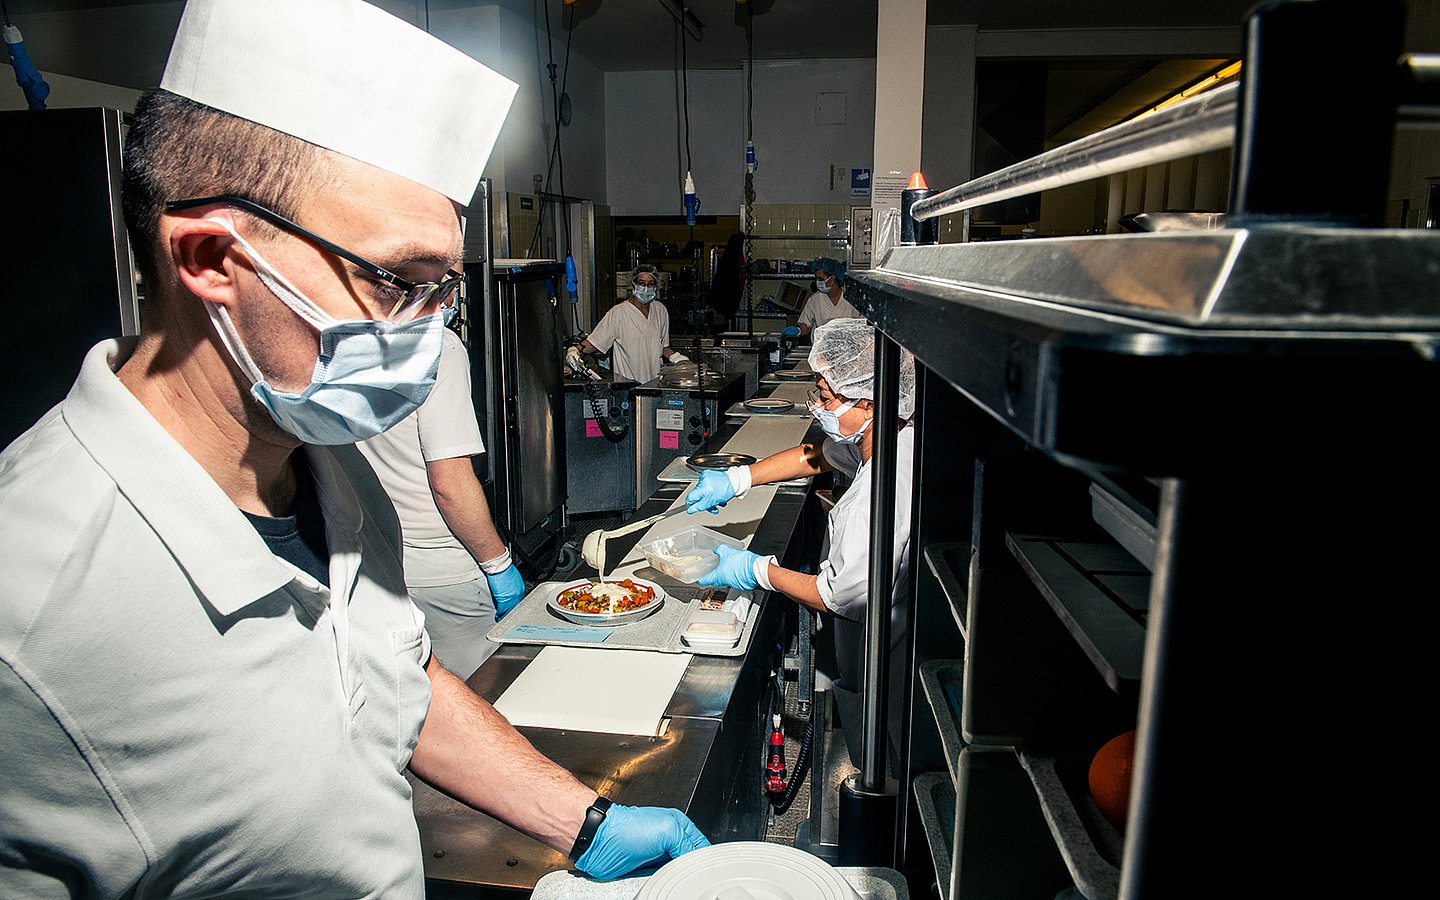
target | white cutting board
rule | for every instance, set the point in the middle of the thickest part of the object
(584, 689)
(763, 436)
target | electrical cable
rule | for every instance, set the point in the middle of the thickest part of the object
(556, 158)
(5, 9)
(749, 224)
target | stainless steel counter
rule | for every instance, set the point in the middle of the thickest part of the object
(699, 764)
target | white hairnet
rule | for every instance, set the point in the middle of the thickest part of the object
(842, 351)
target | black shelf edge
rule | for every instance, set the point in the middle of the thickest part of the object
(1113, 641)
(941, 558)
(935, 675)
(1091, 847)
(932, 791)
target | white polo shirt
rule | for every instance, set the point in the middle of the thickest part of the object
(185, 713)
(637, 339)
(444, 427)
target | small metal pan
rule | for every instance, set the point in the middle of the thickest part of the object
(702, 461)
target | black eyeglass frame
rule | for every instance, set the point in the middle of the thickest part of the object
(410, 288)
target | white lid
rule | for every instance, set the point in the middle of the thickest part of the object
(747, 870)
(347, 76)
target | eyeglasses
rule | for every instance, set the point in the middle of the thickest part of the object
(417, 298)
(645, 283)
(816, 400)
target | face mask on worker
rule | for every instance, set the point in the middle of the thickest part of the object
(822, 285)
(830, 423)
(644, 293)
(370, 374)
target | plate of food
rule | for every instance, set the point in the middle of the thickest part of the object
(611, 602)
(769, 404)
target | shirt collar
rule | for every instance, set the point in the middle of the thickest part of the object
(211, 540)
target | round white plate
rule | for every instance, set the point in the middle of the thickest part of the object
(747, 870)
(621, 618)
(769, 403)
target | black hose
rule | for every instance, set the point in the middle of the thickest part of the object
(802, 766)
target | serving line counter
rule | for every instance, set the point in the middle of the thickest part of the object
(703, 759)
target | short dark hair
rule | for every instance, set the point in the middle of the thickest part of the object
(177, 149)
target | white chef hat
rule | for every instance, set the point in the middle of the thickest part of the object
(349, 77)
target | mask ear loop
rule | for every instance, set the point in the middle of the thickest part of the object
(279, 285)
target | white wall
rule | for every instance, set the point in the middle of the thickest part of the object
(796, 152)
(645, 175)
(645, 142)
(513, 45)
(68, 93)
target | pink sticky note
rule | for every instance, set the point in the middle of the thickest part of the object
(592, 428)
(669, 440)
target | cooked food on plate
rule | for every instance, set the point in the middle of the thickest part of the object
(607, 598)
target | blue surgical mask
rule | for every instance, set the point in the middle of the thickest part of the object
(644, 294)
(369, 375)
(830, 423)
(822, 286)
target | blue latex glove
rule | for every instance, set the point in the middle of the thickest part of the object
(790, 331)
(507, 588)
(736, 569)
(636, 836)
(711, 492)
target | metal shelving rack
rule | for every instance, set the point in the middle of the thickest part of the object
(1168, 483)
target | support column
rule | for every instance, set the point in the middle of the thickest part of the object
(899, 102)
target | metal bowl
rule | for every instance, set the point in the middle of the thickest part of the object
(606, 619)
(702, 461)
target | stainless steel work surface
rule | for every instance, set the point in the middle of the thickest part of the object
(694, 765)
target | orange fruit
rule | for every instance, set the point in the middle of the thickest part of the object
(1110, 774)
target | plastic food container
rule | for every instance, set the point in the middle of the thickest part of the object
(688, 554)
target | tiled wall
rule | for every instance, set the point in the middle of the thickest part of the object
(780, 227)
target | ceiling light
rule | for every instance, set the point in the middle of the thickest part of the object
(1199, 87)
(684, 16)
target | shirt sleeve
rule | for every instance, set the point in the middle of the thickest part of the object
(448, 427)
(62, 832)
(606, 330)
(664, 326)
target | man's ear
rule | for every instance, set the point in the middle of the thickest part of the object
(198, 251)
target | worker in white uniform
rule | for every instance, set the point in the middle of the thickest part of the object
(636, 333)
(827, 303)
(842, 356)
(457, 569)
(212, 679)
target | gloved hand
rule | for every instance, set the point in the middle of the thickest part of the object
(636, 836)
(575, 360)
(712, 491)
(790, 331)
(678, 358)
(736, 569)
(507, 588)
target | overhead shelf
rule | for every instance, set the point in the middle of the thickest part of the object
(935, 798)
(943, 681)
(950, 564)
(1075, 578)
(1091, 847)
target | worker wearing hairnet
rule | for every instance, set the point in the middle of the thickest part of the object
(635, 333)
(843, 358)
(827, 303)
